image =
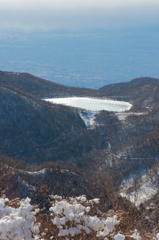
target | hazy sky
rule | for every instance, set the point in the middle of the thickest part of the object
(77, 14)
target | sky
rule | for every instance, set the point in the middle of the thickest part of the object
(31, 15)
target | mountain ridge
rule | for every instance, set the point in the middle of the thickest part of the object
(43, 88)
(38, 131)
(124, 85)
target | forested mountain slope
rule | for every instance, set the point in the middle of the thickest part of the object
(37, 130)
(141, 92)
(125, 85)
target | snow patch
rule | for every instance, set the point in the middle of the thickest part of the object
(122, 116)
(143, 193)
(17, 223)
(78, 213)
(88, 118)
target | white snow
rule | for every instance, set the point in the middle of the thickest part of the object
(136, 236)
(72, 217)
(143, 193)
(119, 237)
(88, 118)
(34, 172)
(78, 213)
(92, 104)
(123, 115)
(17, 223)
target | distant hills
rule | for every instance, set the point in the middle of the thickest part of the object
(42, 88)
(141, 92)
(136, 91)
(125, 85)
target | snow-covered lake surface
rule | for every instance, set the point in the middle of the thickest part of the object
(92, 104)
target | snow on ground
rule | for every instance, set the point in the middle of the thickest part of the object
(43, 171)
(144, 192)
(78, 211)
(88, 118)
(71, 217)
(123, 115)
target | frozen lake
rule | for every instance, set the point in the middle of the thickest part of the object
(92, 104)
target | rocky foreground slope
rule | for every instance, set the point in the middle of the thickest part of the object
(52, 216)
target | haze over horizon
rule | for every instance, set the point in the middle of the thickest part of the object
(29, 15)
(80, 43)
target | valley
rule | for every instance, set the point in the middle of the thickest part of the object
(70, 150)
(34, 130)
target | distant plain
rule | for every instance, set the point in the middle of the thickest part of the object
(83, 59)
